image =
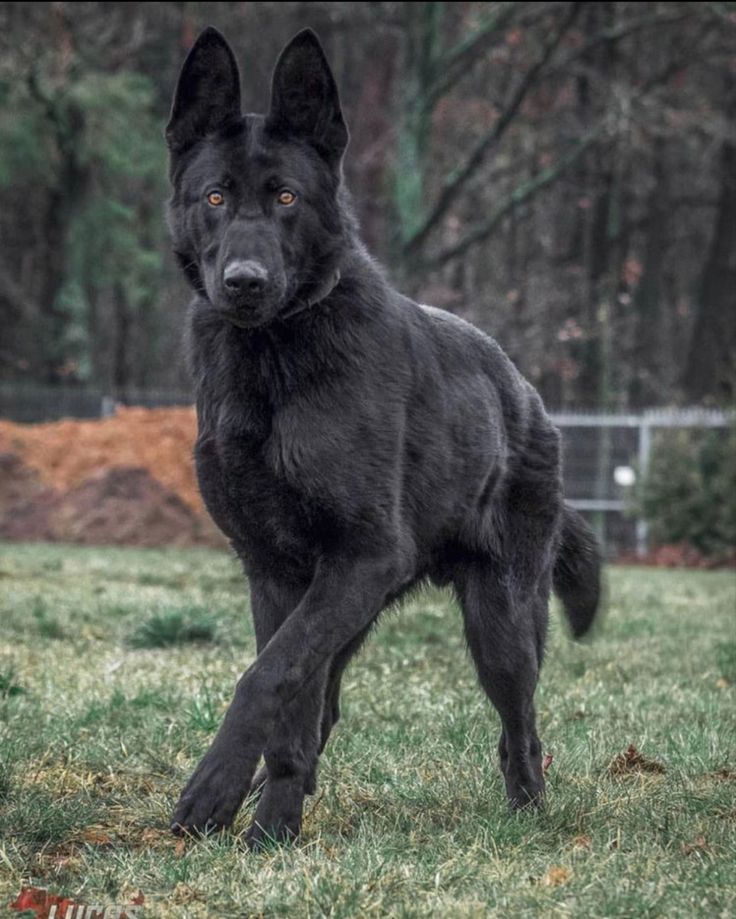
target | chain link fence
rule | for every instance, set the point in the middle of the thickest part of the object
(32, 404)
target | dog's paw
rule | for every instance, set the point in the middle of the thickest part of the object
(271, 832)
(278, 816)
(258, 837)
(528, 795)
(212, 797)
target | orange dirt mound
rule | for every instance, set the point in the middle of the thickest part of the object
(65, 453)
(126, 480)
(679, 555)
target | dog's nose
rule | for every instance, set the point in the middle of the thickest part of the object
(245, 277)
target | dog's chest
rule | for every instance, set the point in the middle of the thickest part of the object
(251, 480)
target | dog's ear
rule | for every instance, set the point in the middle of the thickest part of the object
(304, 98)
(207, 94)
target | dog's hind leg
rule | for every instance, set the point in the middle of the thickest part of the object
(505, 632)
(331, 710)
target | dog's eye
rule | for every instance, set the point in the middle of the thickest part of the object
(215, 198)
(286, 197)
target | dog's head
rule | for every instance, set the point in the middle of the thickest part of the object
(255, 214)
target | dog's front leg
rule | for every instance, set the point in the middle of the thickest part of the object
(343, 598)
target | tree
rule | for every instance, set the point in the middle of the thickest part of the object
(710, 373)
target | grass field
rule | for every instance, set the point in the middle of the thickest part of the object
(115, 669)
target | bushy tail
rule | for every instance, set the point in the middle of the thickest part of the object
(577, 573)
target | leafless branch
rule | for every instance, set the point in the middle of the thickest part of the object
(455, 62)
(619, 32)
(521, 194)
(459, 177)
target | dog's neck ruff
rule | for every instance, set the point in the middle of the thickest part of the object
(320, 294)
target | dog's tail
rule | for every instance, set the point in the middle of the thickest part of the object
(576, 576)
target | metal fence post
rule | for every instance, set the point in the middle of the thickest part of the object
(645, 447)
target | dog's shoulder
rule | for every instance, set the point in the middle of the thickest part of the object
(464, 351)
(452, 326)
(457, 337)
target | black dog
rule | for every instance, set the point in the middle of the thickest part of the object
(351, 443)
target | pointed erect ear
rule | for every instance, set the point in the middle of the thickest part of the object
(304, 100)
(207, 94)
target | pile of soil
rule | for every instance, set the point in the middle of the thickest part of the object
(124, 480)
(679, 555)
(67, 452)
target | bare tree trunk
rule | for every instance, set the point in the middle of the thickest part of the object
(67, 123)
(647, 359)
(422, 23)
(710, 373)
(597, 179)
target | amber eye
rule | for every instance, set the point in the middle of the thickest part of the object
(286, 197)
(215, 198)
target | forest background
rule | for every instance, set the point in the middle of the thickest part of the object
(561, 174)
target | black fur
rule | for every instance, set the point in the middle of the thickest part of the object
(351, 443)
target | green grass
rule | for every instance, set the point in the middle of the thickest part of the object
(98, 735)
(174, 627)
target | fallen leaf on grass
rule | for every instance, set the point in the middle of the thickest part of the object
(180, 847)
(631, 762)
(556, 876)
(43, 904)
(723, 775)
(59, 861)
(699, 844)
(96, 836)
(184, 893)
(722, 683)
(155, 839)
(547, 761)
(582, 842)
(40, 902)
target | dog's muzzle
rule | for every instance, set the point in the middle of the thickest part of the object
(245, 281)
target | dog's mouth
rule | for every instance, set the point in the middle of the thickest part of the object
(248, 313)
(251, 319)
(254, 313)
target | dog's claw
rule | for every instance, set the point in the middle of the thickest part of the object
(210, 827)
